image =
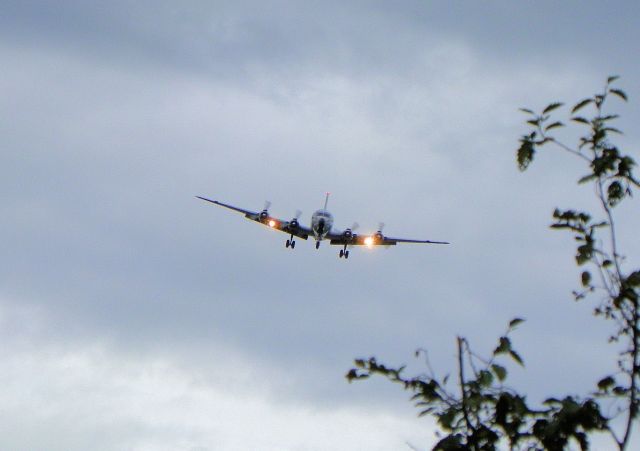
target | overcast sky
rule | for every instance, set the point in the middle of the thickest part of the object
(134, 316)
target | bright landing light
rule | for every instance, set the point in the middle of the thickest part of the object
(368, 241)
(272, 223)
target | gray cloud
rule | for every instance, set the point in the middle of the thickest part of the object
(115, 118)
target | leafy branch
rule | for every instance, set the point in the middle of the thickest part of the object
(483, 413)
(611, 174)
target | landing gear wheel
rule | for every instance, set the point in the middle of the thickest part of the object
(288, 243)
(317, 244)
(346, 254)
(341, 253)
(293, 244)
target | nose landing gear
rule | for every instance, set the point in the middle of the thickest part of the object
(317, 244)
(344, 253)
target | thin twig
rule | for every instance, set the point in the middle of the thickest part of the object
(463, 390)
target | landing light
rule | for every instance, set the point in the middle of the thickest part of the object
(272, 223)
(368, 241)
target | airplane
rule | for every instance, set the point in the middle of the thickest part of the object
(321, 229)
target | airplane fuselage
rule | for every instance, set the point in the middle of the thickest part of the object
(321, 223)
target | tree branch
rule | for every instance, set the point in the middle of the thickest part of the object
(463, 390)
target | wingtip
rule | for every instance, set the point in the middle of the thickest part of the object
(208, 200)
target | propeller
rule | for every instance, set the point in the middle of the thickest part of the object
(348, 234)
(293, 224)
(265, 211)
(379, 236)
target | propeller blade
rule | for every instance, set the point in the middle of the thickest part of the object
(267, 204)
(298, 214)
(380, 226)
(355, 226)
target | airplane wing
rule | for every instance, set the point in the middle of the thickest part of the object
(393, 241)
(247, 213)
(289, 227)
(374, 240)
(335, 235)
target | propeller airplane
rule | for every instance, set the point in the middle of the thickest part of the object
(321, 229)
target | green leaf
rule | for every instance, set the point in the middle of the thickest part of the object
(606, 383)
(525, 153)
(504, 346)
(353, 375)
(582, 440)
(447, 418)
(620, 93)
(612, 78)
(581, 104)
(581, 120)
(551, 107)
(634, 279)
(584, 253)
(499, 371)
(620, 391)
(514, 322)
(515, 356)
(615, 193)
(554, 125)
(587, 178)
(526, 110)
(485, 378)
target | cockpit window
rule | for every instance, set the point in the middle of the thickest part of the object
(323, 214)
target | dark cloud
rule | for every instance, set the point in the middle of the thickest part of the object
(115, 117)
(241, 40)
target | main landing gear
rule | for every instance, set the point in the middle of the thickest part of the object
(317, 244)
(344, 253)
(290, 243)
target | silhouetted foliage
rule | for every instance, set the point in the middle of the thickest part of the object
(482, 413)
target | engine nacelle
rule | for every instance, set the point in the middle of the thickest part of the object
(264, 215)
